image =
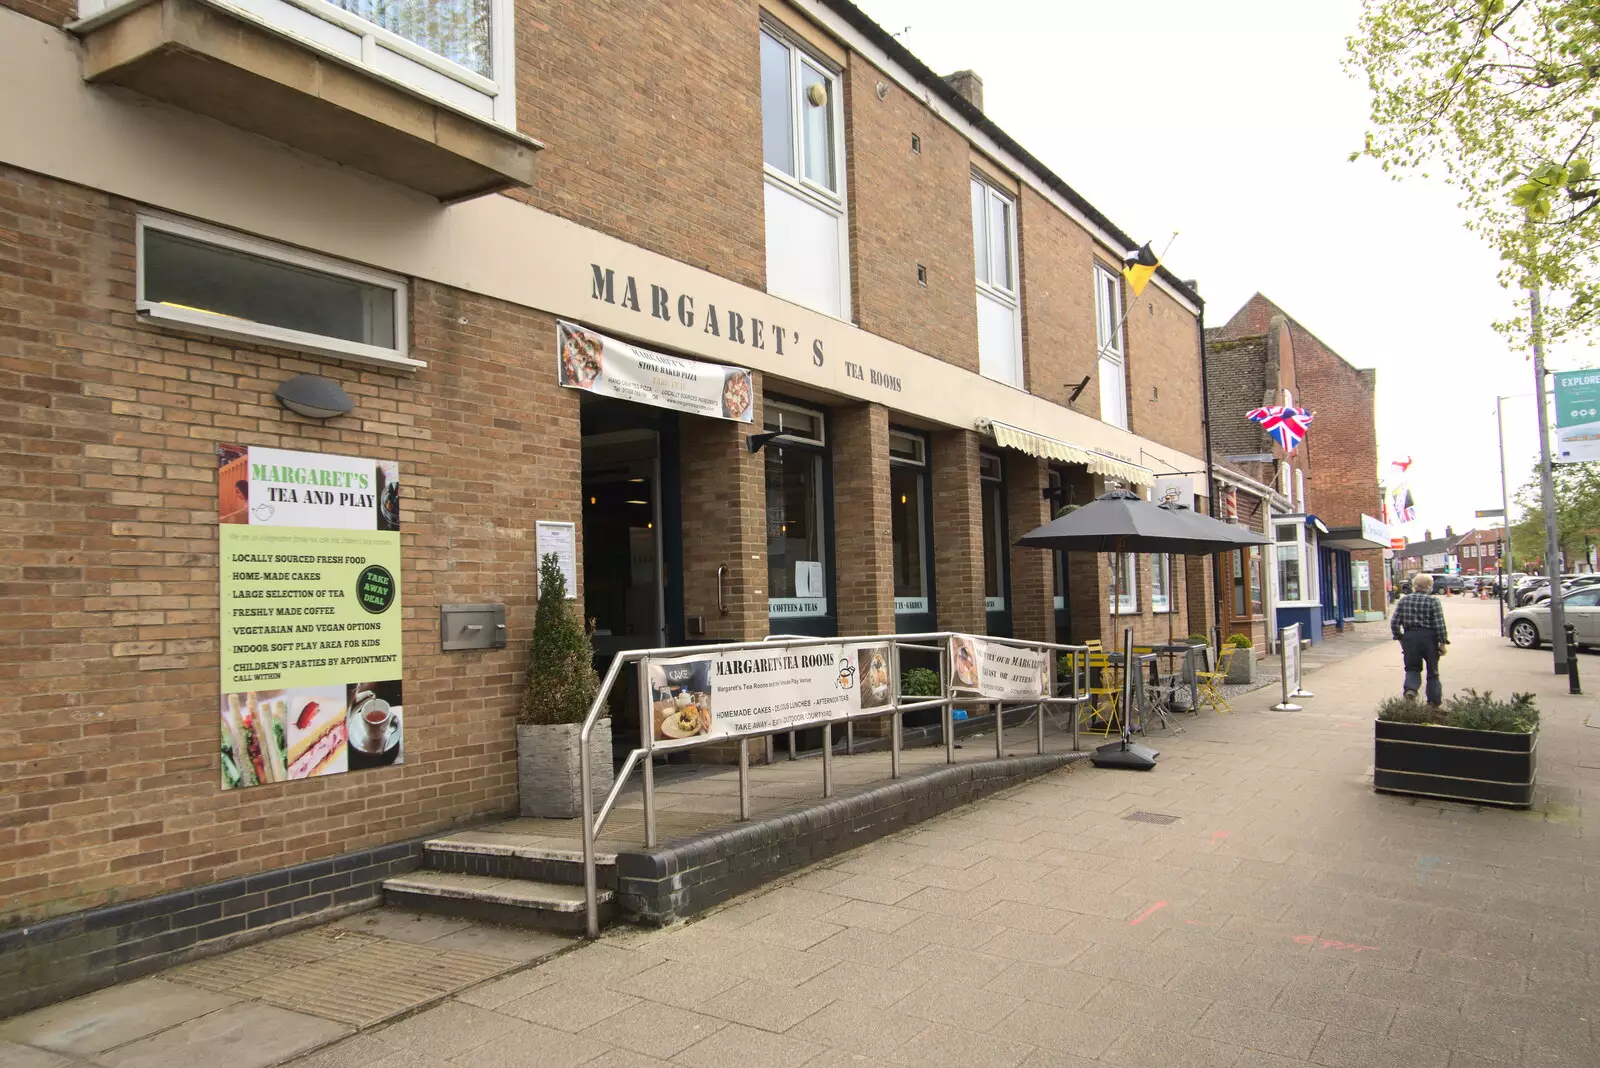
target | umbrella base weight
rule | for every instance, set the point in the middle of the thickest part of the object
(1126, 756)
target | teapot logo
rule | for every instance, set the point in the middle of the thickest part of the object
(847, 674)
(262, 512)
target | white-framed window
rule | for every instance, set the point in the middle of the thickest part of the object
(994, 254)
(1160, 582)
(1296, 550)
(1126, 580)
(214, 281)
(1300, 487)
(1108, 341)
(802, 143)
(461, 52)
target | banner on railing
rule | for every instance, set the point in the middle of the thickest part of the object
(756, 691)
(1004, 672)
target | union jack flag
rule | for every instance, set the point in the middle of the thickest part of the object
(1285, 423)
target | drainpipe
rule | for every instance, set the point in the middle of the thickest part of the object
(1211, 474)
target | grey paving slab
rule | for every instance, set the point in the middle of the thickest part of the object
(110, 1017)
(860, 984)
(403, 925)
(1146, 1047)
(859, 1029)
(569, 1006)
(1051, 1028)
(654, 1029)
(736, 1046)
(944, 1046)
(13, 1055)
(503, 943)
(762, 1005)
(448, 1029)
(252, 1036)
(1339, 1047)
(532, 1046)
(1262, 1029)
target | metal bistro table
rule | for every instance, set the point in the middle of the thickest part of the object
(1149, 684)
(1187, 675)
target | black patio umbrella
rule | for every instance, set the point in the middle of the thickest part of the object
(1121, 522)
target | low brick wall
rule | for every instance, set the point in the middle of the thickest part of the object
(71, 955)
(658, 886)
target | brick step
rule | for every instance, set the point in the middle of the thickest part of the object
(502, 856)
(494, 899)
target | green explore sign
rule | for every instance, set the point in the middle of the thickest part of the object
(1577, 416)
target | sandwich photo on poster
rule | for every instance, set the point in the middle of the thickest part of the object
(309, 551)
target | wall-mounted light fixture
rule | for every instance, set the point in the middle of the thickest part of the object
(314, 397)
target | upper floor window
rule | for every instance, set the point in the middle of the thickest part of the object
(803, 149)
(994, 253)
(460, 52)
(1108, 341)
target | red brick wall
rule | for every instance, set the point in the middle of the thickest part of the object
(724, 501)
(1057, 304)
(651, 117)
(863, 526)
(957, 532)
(1032, 603)
(1164, 381)
(908, 209)
(108, 575)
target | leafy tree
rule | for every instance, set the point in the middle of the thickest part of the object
(561, 681)
(1577, 514)
(1504, 95)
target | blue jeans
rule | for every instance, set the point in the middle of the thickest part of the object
(1422, 647)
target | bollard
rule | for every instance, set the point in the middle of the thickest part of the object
(1572, 660)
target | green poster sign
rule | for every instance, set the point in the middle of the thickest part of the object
(1577, 416)
(309, 553)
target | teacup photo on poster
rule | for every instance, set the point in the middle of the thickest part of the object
(375, 724)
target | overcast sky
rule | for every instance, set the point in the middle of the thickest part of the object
(1231, 122)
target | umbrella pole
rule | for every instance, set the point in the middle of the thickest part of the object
(1124, 754)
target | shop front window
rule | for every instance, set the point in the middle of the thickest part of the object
(797, 546)
(994, 532)
(908, 489)
(1291, 562)
(1247, 582)
(1160, 582)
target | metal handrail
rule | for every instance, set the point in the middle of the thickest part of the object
(593, 819)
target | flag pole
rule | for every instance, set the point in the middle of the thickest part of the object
(1128, 308)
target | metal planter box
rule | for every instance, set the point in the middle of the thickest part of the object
(1488, 767)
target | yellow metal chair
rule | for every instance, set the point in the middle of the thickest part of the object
(1104, 695)
(1211, 682)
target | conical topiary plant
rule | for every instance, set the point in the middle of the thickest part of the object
(561, 680)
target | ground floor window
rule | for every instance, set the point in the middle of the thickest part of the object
(1297, 572)
(908, 495)
(1160, 582)
(993, 491)
(1126, 578)
(797, 543)
(1247, 582)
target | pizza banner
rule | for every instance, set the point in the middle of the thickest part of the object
(606, 367)
(760, 691)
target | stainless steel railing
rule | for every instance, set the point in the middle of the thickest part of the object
(938, 642)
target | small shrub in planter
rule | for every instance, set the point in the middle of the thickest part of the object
(1475, 748)
(1242, 664)
(561, 685)
(920, 682)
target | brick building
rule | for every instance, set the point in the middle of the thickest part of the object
(1318, 503)
(1479, 551)
(202, 204)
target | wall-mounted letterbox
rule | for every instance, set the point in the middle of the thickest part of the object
(472, 626)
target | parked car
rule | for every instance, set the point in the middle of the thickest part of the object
(1445, 584)
(1529, 627)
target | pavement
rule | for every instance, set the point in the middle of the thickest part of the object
(1251, 902)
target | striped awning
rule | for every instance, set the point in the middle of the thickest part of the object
(1054, 449)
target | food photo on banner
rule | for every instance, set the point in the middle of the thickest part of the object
(309, 552)
(1007, 672)
(759, 691)
(608, 367)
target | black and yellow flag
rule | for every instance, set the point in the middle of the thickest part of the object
(1139, 266)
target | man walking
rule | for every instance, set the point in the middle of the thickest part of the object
(1418, 625)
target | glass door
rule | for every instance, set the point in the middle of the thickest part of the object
(996, 546)
(799, 512)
